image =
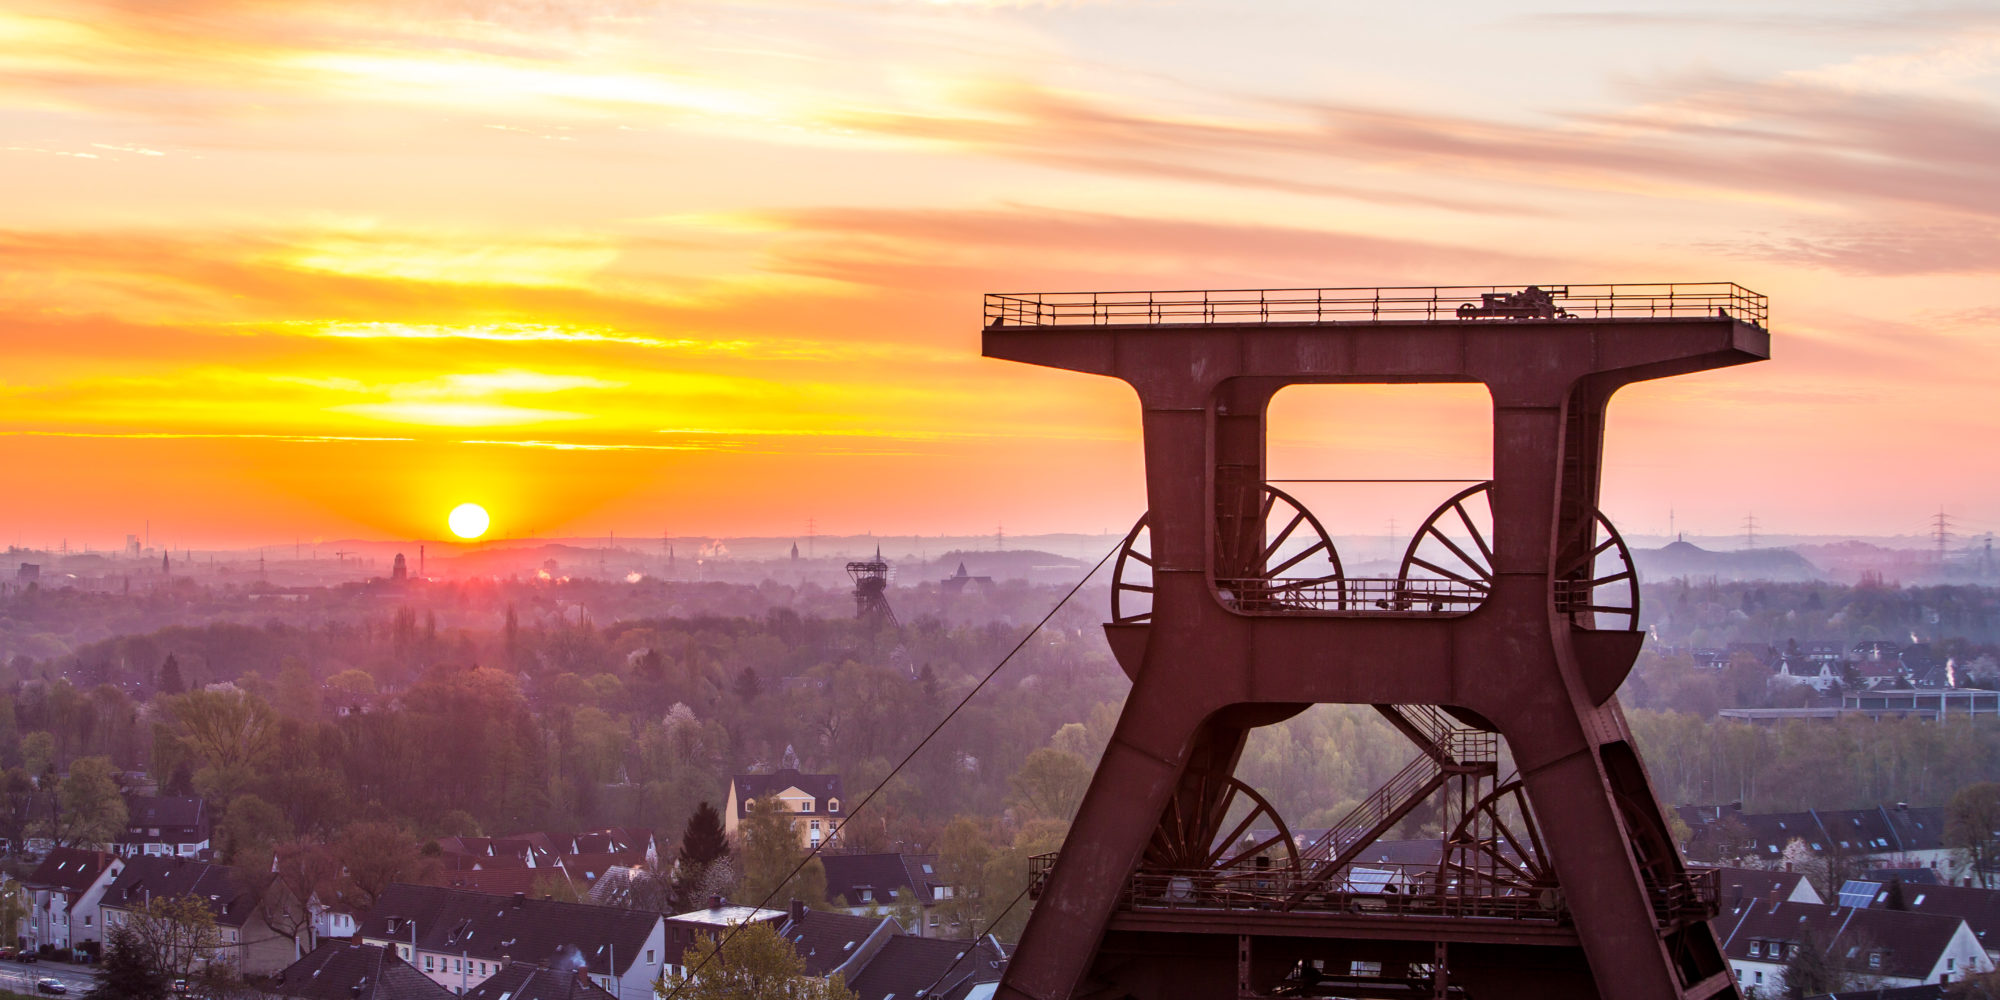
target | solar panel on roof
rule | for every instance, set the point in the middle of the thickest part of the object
(1858, 894)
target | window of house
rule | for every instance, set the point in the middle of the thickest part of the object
(86, 920)
(649, 957)
(833, 805)
(806, 805)
(1948, 964)
(404, 950)
(428, 960)
(1760, 979)
(1756, 949)
(815, 826)
(482, 968)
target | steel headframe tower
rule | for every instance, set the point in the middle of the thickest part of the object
(871, 590)
(1515, 613)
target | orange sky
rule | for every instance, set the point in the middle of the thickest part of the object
(321, 269)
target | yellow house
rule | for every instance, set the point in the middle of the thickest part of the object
(813, 801)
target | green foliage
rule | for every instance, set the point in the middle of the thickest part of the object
(89, 809)
(1050, 784)
(771, 858)
(751, 963)
(248, 826)
(173, 933)
(15, 904)
(376, 855)
(128, 972)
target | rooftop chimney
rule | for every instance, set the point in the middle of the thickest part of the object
(798, 909)
(520, 900)
(715, 902)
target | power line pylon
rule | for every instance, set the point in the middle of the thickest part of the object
(1514, 615)
(1941, 533)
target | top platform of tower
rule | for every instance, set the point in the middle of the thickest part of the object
(1485, 333)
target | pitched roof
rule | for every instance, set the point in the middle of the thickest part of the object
(755, 786)
(70, 869)
(495, 927)
(826, 939)
(1979, 908)
(907, 965)
(165, 810)
(145, 878)
(1740, 884)
(526, 981)
(338, 970)
(495, 881)
(1918, 828)
(883, 877)
(1910, 944)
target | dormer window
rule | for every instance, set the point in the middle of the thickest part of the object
(1874, 959)
(833, 805)
(1756, 949)
(805, 805)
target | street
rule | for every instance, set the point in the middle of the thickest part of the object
(21, 978)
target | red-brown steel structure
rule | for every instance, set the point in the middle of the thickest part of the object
(1515, 614)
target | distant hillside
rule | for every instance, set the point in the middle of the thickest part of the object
(1684, 559)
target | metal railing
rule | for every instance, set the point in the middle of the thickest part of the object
(1413, 891)
(1435, 303)
(1359, 595)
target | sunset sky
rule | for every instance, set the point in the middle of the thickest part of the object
(326, 269)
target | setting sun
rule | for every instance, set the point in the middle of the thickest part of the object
(468, 520)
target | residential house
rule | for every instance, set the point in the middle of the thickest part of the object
(906, 886)
(66, 893)
(879, 962)
(813, 801)
(460, 939)
(717, 919)
(833, 943)
(1895, 836)
(1979, 908)
(941, 968)
(1739, 884)
(249, 944)
(1886, 947)
(165, 825)
(340, 970)
(524, 981)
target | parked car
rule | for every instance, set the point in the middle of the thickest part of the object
(47, 985)
(8, 953)
(28, 955)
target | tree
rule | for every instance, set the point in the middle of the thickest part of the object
(704, 844)
(250, 825)
(375, 855)
(1972, 826)
(17, 806)
(89, 808)
(771, 856)
(963, 854)
(174, 933)
(170, 677)
(1050, 783)
(224, 729)
(129, 973)
(38, 752)
(749, 963)
(286, 877)
(1807, 972)
(14, 908)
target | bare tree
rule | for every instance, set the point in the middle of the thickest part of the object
(176, 934)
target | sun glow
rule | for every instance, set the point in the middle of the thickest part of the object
(468, 520)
